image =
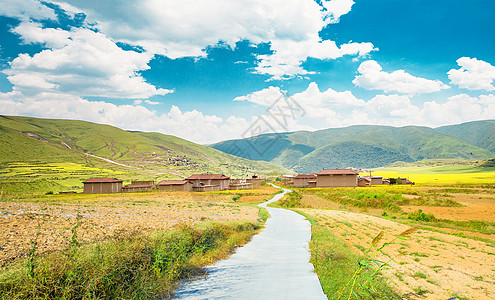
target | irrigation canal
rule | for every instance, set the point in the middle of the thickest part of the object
(274, 265)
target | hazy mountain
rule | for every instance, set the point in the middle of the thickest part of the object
(366, 146)
(478, 133)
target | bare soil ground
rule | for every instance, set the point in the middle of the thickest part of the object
(52, 222)
(435, 265)
(478, 207)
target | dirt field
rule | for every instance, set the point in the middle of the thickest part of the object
(437, 265)
(478, 207)
(51, 221)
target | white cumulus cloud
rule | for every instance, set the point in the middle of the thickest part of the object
(81, 62)
(337, 8)
(179, 28)
(31, 33)
(473, 74)
(191, 125)
(26, 10)
(323, 106)
(373, 78)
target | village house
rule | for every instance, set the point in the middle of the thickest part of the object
(255, 181)
(239, 184)
(102, 186)
(209, 182)
(364, 181)
(375, 180)
(175, 185)
(139, 186)
(304, 180)
(337, 178)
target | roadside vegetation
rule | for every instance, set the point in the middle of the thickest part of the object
(340, 270)
(119, 246)
(131, 266)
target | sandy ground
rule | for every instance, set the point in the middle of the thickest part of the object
(50, 221)
(439, 264)
(475, 207)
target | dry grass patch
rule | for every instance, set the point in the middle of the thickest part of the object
(50, 220)
(450, 265)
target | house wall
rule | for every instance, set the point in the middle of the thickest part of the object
(302, 182)
(376, 181)
(176, 187)
(363, 183)
(136, 189)
(222, 183)
(240, 186)
(206, 188)
(256, 182)
(150, 182)
(336, 180)
(102, 187)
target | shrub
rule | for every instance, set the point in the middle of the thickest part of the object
(421, 216)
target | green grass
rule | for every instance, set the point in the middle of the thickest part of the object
(386, 197)
(292, 199)
(134, 266)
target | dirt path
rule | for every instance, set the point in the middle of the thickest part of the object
(274, 265)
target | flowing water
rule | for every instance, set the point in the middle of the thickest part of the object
(274, 265)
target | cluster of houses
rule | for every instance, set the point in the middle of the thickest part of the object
(338, 178)
(220, 182)
(196, 182)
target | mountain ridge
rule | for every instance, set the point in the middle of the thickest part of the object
(368, 146)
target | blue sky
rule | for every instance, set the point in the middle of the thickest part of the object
(207, 70)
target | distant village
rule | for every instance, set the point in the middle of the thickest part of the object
(220, 182)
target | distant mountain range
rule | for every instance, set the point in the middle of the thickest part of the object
(367, 146)
(39, 141)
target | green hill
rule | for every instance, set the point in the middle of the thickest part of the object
(62, 153)
(359, 146)
(478, 133)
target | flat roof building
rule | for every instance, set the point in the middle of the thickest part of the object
(337, 178)
(102, 186)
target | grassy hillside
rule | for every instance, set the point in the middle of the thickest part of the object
(478, 133)
(354, 146)
(53, 155)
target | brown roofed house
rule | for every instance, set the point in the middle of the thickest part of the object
(337, 178)
(255, 181)
(175, 185)
(102, 186)
(364, 181)
(304, 180)
(209, 182)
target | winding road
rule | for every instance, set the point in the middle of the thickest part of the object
(274, 265)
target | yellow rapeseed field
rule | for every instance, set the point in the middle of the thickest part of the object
(444, 175)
